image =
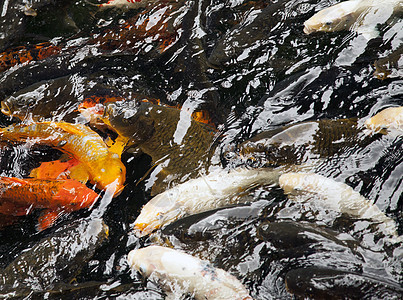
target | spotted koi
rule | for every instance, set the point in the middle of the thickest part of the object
(22, 55)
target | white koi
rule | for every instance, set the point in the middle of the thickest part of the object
(201, 194)
(177, 271)
(387, 119)
(337, 196)
(356, 15)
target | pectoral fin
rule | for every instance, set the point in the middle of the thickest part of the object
(47, 219)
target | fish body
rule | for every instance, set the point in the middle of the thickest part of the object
(308, 282)
(55, 99)
(22, 55)
(176, 142)
(390, 66)
(177, 270)
(19, 197)
(215, 190)
(337, 196)
(303, 142)
(387, 119)
(79, 141)
(358, 15)
(130, 4)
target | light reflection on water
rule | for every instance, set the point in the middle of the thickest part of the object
(250, 64)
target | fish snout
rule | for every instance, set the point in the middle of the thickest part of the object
(308, 29)
(142, 229)
(5, 108)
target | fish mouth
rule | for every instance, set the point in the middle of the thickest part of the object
(308, 29)
(5, 108)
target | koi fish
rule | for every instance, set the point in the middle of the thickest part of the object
(21, 55)
(337, 196)
(176, 270)
(153, 128)
(104, 167)
(201, 194)
(129, 4)
(387, 119)
(19, 196)
(358, 15)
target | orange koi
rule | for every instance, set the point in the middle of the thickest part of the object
(79, 141)
(19, 197)
(21, 55)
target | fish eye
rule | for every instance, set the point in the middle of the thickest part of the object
(328, 23)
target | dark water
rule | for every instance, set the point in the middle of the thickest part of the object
(251, 66)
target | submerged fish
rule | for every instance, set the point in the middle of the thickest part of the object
(104, 167)
(304, 142)
(177, 143)
(358, 15)
(132, 4)
(56, 99)
(19, 197)
(22, 55)
(215, 190)
(387, 119)
(313, 282)
(175, 270)
(337, 196)
(57, 258)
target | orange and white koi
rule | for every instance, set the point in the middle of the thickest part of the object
(104, 167)
(19, 197)
(179, 273)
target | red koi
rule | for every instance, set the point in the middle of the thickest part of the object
(19, 197)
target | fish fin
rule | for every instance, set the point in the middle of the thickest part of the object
(57, 169)
(70, 128)
(11, 180)
(80, 173)
(47, 219)
(118, 145)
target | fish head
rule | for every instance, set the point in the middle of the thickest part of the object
(146, 260)
(130, 119)
(111, 174)
(335, 18)
(159, 211)
(389, 118)
(15, 107)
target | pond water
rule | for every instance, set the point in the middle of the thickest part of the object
(253, 69)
